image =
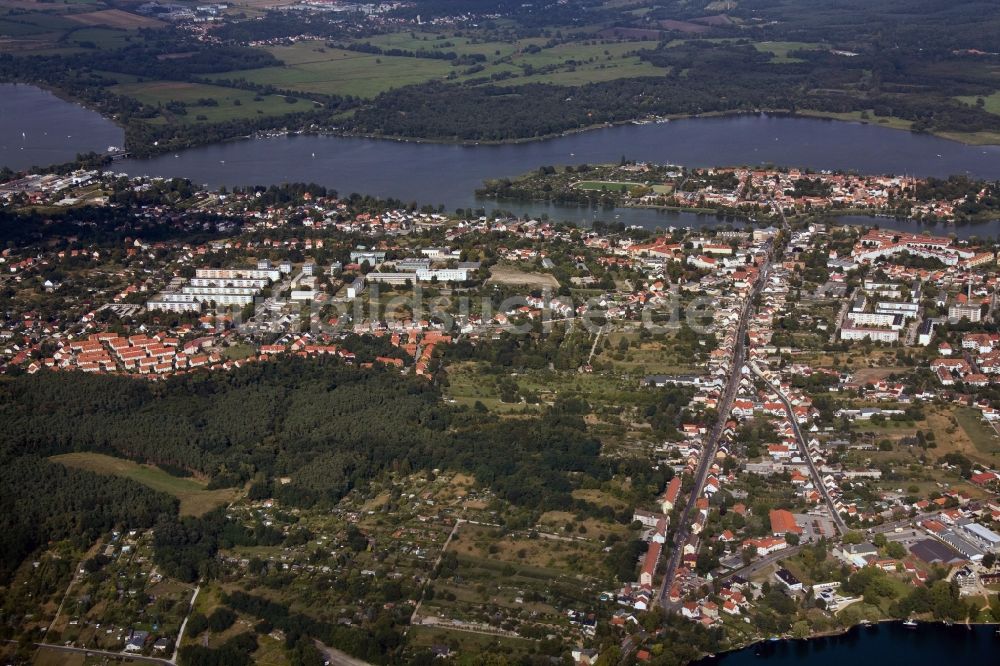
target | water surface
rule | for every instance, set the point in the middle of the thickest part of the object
(883, 645)
(39, 129)
(446, 174)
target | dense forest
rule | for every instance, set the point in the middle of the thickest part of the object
(310, 420)
(42, 501)
(327, 426)
(702, 77)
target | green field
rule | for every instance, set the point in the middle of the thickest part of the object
(426, 41)
(780, 50)
(618, 186)
(992, 103)
(49, 28)
(611, 186)
(983, 437)
(314, 67)
(250, 104)
(195, 499)
(328, 71)
(103, 38)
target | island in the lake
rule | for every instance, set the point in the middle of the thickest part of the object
(756, 193)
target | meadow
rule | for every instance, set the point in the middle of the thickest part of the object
(195, 498)
(232, 103)
(991, 103)
(313, 68)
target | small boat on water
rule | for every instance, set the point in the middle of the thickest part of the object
(910, 623)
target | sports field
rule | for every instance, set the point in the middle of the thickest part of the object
(617, 186)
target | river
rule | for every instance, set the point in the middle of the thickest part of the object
(887, 644)
(55, 130)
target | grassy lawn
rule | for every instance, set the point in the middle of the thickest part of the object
(582, 74)
(857, 116)
(617, 186)
(992, 103)
(238, 352)
(250, 104)
(973, 138)
(981, 435)
(611, 186)
(46, 657)
(195, 499)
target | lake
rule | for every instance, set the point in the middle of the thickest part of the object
(449, 174)
(38, 129)
(55, 130)
(887, 644)
(443, 173)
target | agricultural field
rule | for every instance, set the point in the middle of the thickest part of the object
(53, 29)
(116, 18)
(229, 103)
(195, 498)
(429, 41)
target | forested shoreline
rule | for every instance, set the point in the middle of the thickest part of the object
(908, 71)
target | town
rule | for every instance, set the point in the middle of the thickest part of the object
(796, 427)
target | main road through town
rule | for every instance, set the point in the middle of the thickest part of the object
(804, 450)
(683, 530)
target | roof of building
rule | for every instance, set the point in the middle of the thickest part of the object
(783, 521)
